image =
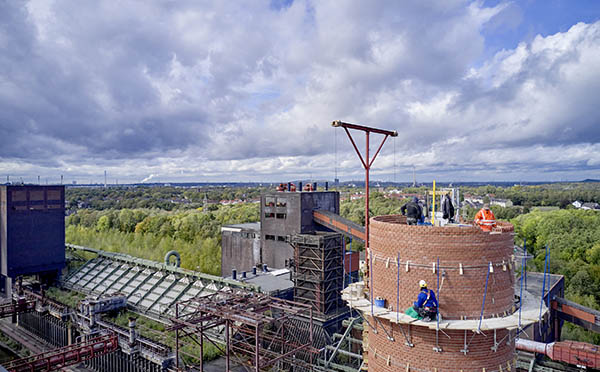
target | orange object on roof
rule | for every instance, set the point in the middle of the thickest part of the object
(485, 219)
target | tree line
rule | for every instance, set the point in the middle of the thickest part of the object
(573, 238)
(162, 197)
(151, 233)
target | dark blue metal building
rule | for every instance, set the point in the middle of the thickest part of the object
(32, 232)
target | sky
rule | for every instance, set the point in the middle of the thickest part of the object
(211, 91)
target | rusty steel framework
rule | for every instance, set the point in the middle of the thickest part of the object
(319, 275)
(66, 356)
(367, 162)
(16, 307)
(261, 332)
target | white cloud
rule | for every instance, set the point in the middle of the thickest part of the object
(239, 90)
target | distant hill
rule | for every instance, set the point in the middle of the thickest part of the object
(590, 180)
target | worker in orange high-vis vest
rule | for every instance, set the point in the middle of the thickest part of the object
(485, 218)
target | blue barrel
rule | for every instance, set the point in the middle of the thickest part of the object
(380, 302)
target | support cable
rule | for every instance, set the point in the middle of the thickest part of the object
(484, 295)
(398, 288)
(371, 277)
(350, 271)
(394, 141)
(344, 262)
(523, 264)
(543, 288)
(335, 151)
(525, 249)
(437, 315)
(548, 297)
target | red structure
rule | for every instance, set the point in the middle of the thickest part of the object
(21, 306)
(261, 332)
(367, 161)
(66, 356)
(571, 352)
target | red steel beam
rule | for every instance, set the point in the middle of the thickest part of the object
(339, 123)
(66, 356)
(573, 311)
(339, 224)
(367, 162)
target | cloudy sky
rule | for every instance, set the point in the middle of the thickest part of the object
(247, 90)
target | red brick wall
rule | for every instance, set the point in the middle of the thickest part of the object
(460, 295)
(421, 357)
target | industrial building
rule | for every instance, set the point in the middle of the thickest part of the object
(291, 299)
(32, 233)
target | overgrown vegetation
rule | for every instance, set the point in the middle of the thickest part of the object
(573, 237)
(13, 347)
(156, 331)
(151, 233)
(69, 298)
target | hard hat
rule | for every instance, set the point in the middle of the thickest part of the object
(486, 206)
(422, 284)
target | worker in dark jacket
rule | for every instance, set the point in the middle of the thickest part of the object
(412, 210)
(448, 209)
(426, 304)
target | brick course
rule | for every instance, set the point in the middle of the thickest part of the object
(421, 357)
(393, 244)
(460, 295)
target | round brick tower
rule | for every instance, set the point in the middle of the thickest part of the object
(468, 337)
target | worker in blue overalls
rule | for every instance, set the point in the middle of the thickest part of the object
(426, 305)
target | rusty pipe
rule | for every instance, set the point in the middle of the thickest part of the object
(535, 347)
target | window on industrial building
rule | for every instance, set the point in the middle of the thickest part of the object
(281, 238)
(269, 202)
(281, 215)
(19, 195)
(36, 195)
(269, 237)
(281, 202)
(269, 215)
(53, 194)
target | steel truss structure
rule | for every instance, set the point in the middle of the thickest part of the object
(261, 332)
(152, 288)
(319, 271)
(66, 356)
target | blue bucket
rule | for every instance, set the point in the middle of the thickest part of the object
(380, 302)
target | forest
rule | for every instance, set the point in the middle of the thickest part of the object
(573, 238)
(151, 233)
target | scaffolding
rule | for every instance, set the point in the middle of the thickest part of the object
(261, 332)
(319, 272)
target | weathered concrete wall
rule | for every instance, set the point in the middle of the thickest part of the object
(239, 251)
(288, 213)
